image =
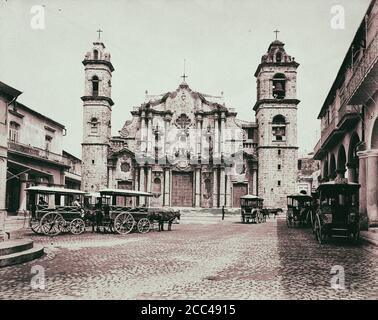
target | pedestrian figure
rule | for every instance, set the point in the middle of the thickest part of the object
(223, 212)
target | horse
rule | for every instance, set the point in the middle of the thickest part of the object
(164, 216)
(266, 212)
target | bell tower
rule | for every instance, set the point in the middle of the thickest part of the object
(97, 109)
(276, 115)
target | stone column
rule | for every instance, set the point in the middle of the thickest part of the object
(254, 182)
(198, 188)
(351, 171)
(198, 135)
(149, 179)
(362, 182)
(215, 188)
(228, 203)
(167, 184)
(222, 187)
(142, 186)
(143, 133)
(372, 186)
(149, 135)
(167, 122)
(216, 136)
(23, 186)
(222, 133)
(136, 179)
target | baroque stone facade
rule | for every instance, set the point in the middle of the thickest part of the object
(188, 148)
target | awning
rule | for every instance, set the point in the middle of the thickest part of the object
(27, 168)
(72, 176)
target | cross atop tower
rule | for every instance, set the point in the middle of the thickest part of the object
(276, 32)
(184, 76)
(99, 33)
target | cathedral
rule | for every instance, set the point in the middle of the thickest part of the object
(188, 148)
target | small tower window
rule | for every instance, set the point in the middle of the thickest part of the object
(279, 81)
(95, 86)
(95, 54)
(94, 125)
(279, 183)
(278, 57)
(279, 128)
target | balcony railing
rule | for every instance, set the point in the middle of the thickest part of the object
(37, 152)
(328, 130)
(360, 70)
(349, 110)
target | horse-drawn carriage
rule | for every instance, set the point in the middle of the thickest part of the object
(251, 209)
(123, 211)
(337, 215)
(299, 210)
(53, 210)
(57, 210)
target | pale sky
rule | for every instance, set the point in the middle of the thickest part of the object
(222, 42)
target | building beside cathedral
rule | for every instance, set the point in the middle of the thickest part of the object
(188, 148)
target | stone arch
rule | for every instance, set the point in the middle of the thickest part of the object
(332, 166)
(279, 128)
(279, 86)
(341, 161)
(353, 161)
(374, 135)
(279, 119)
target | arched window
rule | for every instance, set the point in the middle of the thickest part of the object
(279, 81)
(95, 54)
(279, 128)
(95, 86)
(14, 129)
(94, 125)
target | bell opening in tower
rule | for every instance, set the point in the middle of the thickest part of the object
(279, 81)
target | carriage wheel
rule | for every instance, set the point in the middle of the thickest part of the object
(52, 224)
(77, 226)
(35, 225)
(124, 223)
(144, 225)
(319, 233)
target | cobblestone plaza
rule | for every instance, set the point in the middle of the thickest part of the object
(201, 258)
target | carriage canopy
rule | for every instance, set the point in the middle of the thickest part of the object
(53, 190)
(124, 192)
(250, 200)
